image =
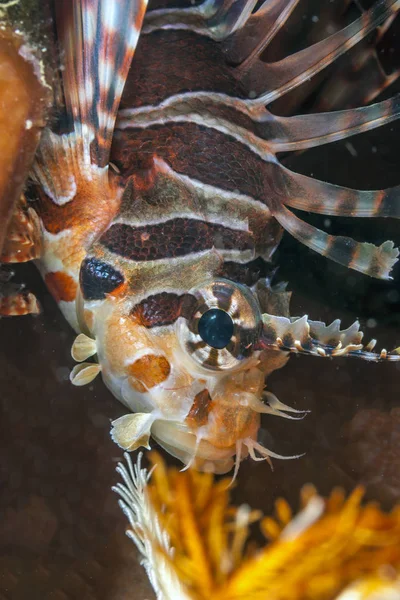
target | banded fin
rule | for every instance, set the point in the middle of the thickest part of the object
(308, 194)
(314, 337)
(375, 261)
(269, 81)
(288, 134)
(79, 196)
(59, 184)
(98, 39)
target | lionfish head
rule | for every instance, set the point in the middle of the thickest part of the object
(191, 367)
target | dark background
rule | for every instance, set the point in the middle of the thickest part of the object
(61, 531)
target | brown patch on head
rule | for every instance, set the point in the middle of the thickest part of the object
(199, 411)
(150, 370)
(61, 285)
(160, 309)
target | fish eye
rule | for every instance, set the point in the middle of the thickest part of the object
(219, 324)
(216, 328)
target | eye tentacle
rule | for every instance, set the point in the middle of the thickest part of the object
(273, 407)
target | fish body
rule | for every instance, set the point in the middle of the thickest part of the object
(155, 221)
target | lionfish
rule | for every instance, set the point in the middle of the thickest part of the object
(157, 186)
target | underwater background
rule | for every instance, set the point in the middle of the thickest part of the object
(61, 531)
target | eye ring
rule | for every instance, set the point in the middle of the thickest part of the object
(239, 315)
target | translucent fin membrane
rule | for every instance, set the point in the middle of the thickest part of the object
(270, 81)
(299, 335)
(98, 39)
(360, 76)
(260, 29)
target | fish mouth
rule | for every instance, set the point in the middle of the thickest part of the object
(191, 448)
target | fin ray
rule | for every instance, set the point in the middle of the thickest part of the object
(260, 29)
(375, 261)
(312, 195)
(307, 131)
(98, 40)
(271, 81)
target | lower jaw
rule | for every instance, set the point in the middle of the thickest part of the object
(182, 444)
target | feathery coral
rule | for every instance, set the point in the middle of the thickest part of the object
(195, 544)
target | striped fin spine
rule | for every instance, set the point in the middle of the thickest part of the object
(375, 261)
(362, 76)
(97, 41)
(303, 336)
(306, 193)
(247, 120)
(265, 135)
(98, 38)
(78, 195)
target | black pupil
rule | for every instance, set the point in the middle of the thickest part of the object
(216, 328)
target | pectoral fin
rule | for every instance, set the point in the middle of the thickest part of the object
(132, 431)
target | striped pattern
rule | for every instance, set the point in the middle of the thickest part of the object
(271, 81)
(98, 39)
(77, 194)
(148, 227)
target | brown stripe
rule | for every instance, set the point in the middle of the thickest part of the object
(160, 309)
(174, 238)
(202, 153)
(164, 53)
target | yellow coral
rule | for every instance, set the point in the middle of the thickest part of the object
(196, 545)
